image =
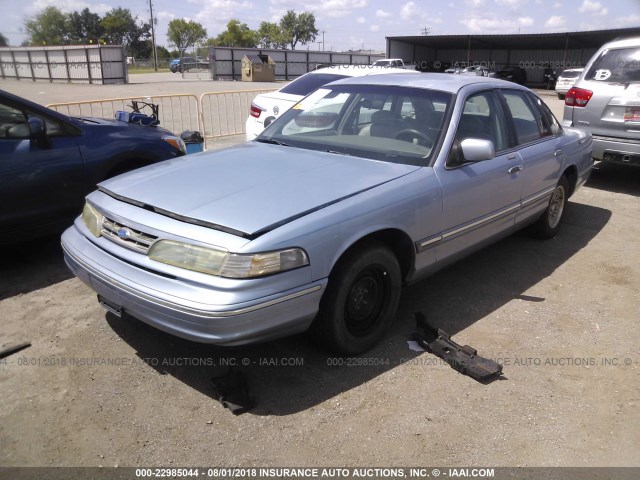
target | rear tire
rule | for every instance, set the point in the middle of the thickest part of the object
(360, 301)
(548, 224)
(561, 96)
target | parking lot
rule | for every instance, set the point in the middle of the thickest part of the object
(560, 315)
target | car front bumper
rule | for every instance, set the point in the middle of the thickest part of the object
(266, 318)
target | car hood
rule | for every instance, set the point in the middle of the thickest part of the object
(250, 189)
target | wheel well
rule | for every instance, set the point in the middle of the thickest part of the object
(397, 241)
(572, 177)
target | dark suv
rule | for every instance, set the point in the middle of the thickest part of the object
(605, 100)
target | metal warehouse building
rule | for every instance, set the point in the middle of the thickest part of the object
(533, 52)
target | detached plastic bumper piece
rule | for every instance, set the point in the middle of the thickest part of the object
(464, 359)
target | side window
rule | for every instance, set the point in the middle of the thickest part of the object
(482, 118)
(528, 125)
(547, 116)
(13, 123)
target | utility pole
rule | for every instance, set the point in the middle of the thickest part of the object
(153, 38)
(426, 31)
(323, 41)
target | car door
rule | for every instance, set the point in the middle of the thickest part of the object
(480, 199)
(41, 181)
(539, 145)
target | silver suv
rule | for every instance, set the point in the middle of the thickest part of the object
(605, 101)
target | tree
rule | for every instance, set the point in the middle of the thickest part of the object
(48, 27)
(84, 27)
(236, 35)
(121, 28)
(3, 41)
(183, 34)
(298, 28)
(163, 53)
(269, 35)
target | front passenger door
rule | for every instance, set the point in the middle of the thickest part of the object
(480, 199)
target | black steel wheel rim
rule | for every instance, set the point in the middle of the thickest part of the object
(366, 300)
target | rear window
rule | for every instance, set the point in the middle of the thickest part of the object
(569, 74)
(308, 83)
(620, 65)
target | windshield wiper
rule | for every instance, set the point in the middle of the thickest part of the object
(271, 141)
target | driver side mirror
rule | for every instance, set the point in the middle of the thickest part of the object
(38, 132)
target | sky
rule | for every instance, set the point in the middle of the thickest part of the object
(357, 24)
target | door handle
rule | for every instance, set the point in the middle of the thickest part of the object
(515, 168)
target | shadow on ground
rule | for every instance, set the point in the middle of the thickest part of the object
(453, 299)
(30, 266)
(616, 178)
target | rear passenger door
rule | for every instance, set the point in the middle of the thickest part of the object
(539, 146)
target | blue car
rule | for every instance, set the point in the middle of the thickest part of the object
(49, 162)
(365, 185)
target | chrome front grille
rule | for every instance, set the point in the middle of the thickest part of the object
(126, 236)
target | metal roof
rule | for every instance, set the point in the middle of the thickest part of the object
(526, 41)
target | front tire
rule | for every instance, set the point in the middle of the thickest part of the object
(360, 301)
(548, 224)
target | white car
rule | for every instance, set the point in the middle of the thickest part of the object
(266, 107)
(566, 80)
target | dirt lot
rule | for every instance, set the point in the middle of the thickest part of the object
(561, 315)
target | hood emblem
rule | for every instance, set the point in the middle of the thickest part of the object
(124, 233)
(276, 110)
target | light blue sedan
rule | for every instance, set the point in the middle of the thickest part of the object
(363, 186)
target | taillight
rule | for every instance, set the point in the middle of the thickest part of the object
(577, 97)
(255, 110)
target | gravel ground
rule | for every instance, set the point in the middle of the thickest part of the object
(561, 315)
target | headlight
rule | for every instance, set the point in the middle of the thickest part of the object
(175, 142)
(92, 219)
(221, 263)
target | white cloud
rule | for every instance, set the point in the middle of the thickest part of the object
(557, 5)
(361, 20)
(512, 3)
(475, 3)
(556, 22)
(382, 14)
(374, 28)
(410, 11)
(165, 16)
(335, 8)
(69, 6)
(628, 21)
(494, 24)
(215, 14)
(594, 8)
(525, 21)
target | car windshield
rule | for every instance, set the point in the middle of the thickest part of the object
(308, 83)
(621, 65)
(388, 123)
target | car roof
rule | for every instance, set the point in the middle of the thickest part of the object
(359, 70)
(625, 42)
(430, 81)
